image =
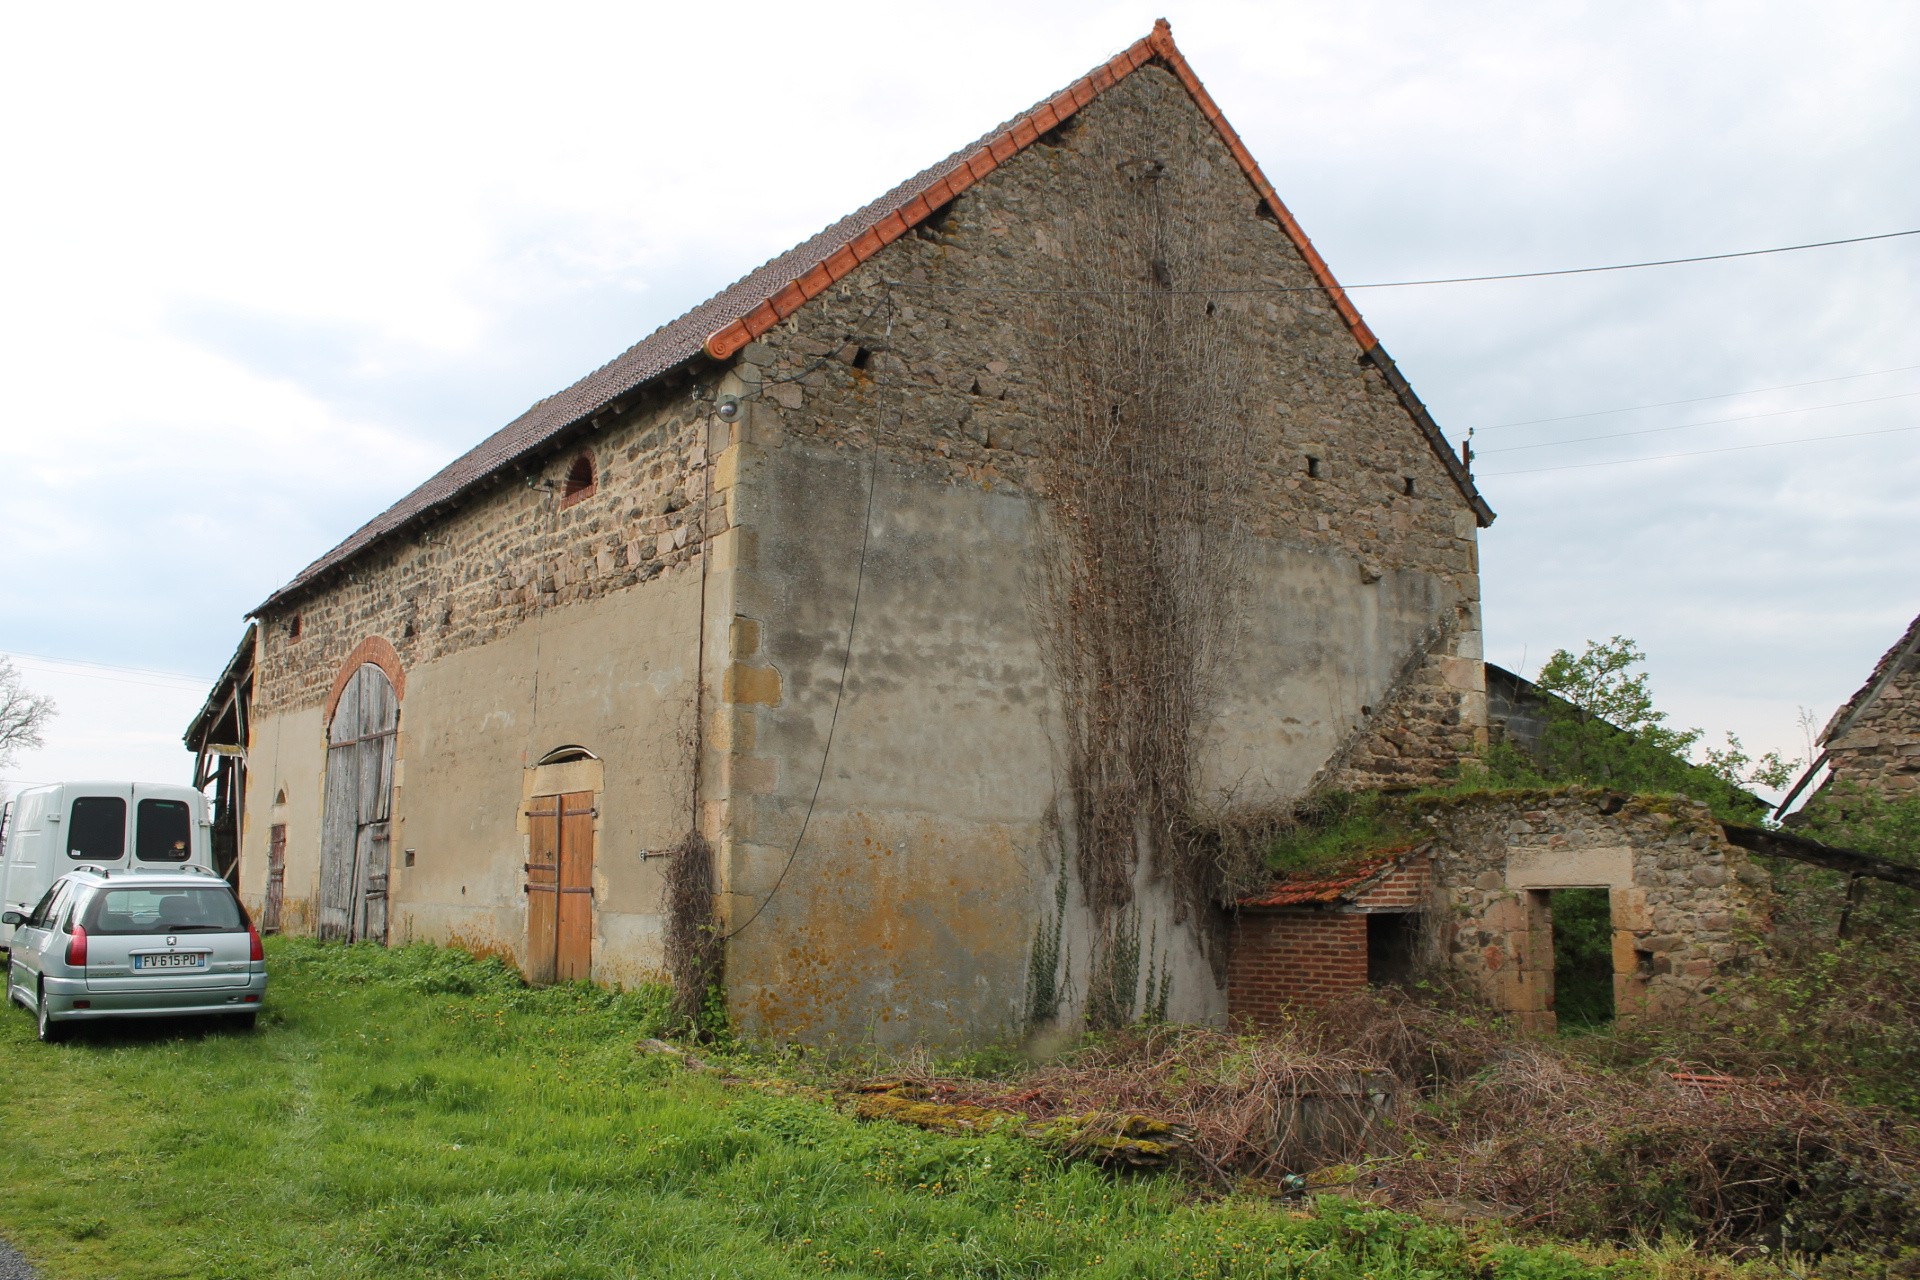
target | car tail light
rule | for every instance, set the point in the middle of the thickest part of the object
(255, 951)
(77, 948)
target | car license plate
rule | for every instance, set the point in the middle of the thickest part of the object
(172, 960)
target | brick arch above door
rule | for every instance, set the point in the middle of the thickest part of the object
(380, 652)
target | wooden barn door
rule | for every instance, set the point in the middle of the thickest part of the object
(559, 887)
(359, 802)
(276, 878)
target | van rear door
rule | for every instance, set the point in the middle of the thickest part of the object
(95, 830)
(166, 828)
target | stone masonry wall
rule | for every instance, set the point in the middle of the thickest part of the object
(1687, 906)
(512, 551)
(932, 355)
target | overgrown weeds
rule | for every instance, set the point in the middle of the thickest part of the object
(1435, 1106)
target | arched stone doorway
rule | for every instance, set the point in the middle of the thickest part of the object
(354, 833)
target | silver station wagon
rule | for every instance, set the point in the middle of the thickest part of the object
(135, 944)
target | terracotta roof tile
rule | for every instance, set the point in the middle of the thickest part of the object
(758, 301)
(1324, 887)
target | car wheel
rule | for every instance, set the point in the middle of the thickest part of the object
(50, 1031)
(246, 1021)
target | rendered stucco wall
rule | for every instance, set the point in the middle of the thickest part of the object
(613, 675)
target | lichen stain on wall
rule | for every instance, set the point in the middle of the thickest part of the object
(892, 923)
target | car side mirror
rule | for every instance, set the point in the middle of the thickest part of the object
(14, 918)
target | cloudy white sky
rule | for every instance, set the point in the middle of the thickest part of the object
(267, 267)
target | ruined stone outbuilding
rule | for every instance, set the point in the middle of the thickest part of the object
(770, 575)
(1688, 909)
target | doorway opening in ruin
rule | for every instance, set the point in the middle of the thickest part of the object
(1582, 924)
(1391, 938)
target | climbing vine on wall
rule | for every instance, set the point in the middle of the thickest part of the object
(1145, 467)
(693, 942)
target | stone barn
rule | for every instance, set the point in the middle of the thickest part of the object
(943, 573)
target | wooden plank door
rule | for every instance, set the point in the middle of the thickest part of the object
(543, 887)
(340, 819)
(359, 803)
(559, 887)
(574, 941)
(276, 878)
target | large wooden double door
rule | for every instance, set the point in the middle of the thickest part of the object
(355, 827)
(559, 887)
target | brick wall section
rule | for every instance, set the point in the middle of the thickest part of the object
(1313, 955)
(1289, 958)
(1410, 888)
(510, 553)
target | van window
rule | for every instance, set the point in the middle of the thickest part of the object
(163, 832)
(195, 910)
(97, 829)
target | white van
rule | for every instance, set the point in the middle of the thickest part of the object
(47, 831)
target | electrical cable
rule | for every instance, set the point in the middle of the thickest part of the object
(1682, 426)
(1409, 284)
(1635, 266)
(846, 659)
(106, 666)
(1696, 453)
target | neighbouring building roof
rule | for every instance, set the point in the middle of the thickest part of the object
(1902, 657)
(218, 721)
(1324, 887)
(1891, 664)
(749, 307)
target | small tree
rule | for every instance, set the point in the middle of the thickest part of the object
(23, 714)
(1602, 728)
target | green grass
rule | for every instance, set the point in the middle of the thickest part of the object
(1336, 827)
(419, 1113)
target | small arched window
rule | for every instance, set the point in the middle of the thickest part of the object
(565, 755)
(580, 481)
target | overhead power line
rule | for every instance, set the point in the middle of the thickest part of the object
(1409, 284)
(109, 671)
(1682, 426)
(1697, 453)
(1720, 395)
(1635, 266)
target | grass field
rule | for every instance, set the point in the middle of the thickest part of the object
(418, 1113)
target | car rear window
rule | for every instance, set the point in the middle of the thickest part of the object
(163, 831)
(97, 829)
(164, 910)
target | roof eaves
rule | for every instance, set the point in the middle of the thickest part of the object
(237, 669)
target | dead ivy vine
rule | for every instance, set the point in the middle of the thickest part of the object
(1145, 466)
